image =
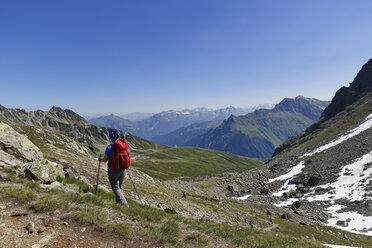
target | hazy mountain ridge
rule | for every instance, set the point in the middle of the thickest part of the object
(169, 121)
(257, 134)
(115, 122)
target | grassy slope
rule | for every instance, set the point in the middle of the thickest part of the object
(163, 162)
(168, 227)
(192, 163)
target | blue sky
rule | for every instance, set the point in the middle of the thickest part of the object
(127, 56)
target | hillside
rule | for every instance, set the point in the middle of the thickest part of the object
(325, 173)
(58, 129)
(54, 202)
(257, 134)
(183, 135)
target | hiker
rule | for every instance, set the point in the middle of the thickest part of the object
(115, 175)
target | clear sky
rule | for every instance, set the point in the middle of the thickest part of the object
(144, 55)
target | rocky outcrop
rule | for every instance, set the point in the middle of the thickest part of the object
(348, 95)
(44, 170)
(17, 145)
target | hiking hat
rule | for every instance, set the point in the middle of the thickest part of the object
(112, 135)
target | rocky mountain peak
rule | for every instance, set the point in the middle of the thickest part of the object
(67, 114)
(346, 96)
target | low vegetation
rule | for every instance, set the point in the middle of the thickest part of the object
(168, 227)
(189, 163)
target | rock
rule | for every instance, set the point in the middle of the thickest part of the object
(84, 179)
(285, 216)
(68, 172)
(297, 204)
(41, 229)
(44, 170)
(342, 223)
(71, 188)
(264, 191)
(30, 227)
(232, 188)
(314, 180)
(298, 195)
(18, 145)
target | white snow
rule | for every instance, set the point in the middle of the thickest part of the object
(241, 196)
(350, 186)
(285, 188)
(362, 127)
(293, 172)
(357, 223)
(286, 203)
(339, 246)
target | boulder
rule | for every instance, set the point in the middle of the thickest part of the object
(297, 204)
(43, 170)
(18, 145)
(314, 180)
(264, 191)
(68, 172)
(342, 223)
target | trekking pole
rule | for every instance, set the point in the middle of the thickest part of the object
(134, 186)
(99, 165)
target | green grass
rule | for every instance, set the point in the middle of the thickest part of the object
(50, 202)
(166, 232)
(168, 227)
(189, 163)
(196, 240)
(94, 216)
(22, 194)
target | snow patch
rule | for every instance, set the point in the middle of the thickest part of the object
(285, 188)
(350, 184)
(286, 203)
(356, 223)
(240, 197)
(293, 172)
(339, 246)
(361, 128)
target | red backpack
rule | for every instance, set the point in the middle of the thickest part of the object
(120, 157)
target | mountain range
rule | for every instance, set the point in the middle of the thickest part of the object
(168, 121)
(256, 134)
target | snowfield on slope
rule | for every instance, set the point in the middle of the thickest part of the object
(350, 185)
(362, 127)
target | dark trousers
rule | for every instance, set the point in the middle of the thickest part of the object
(116, 179)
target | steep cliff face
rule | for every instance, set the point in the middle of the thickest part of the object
(346, 96)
